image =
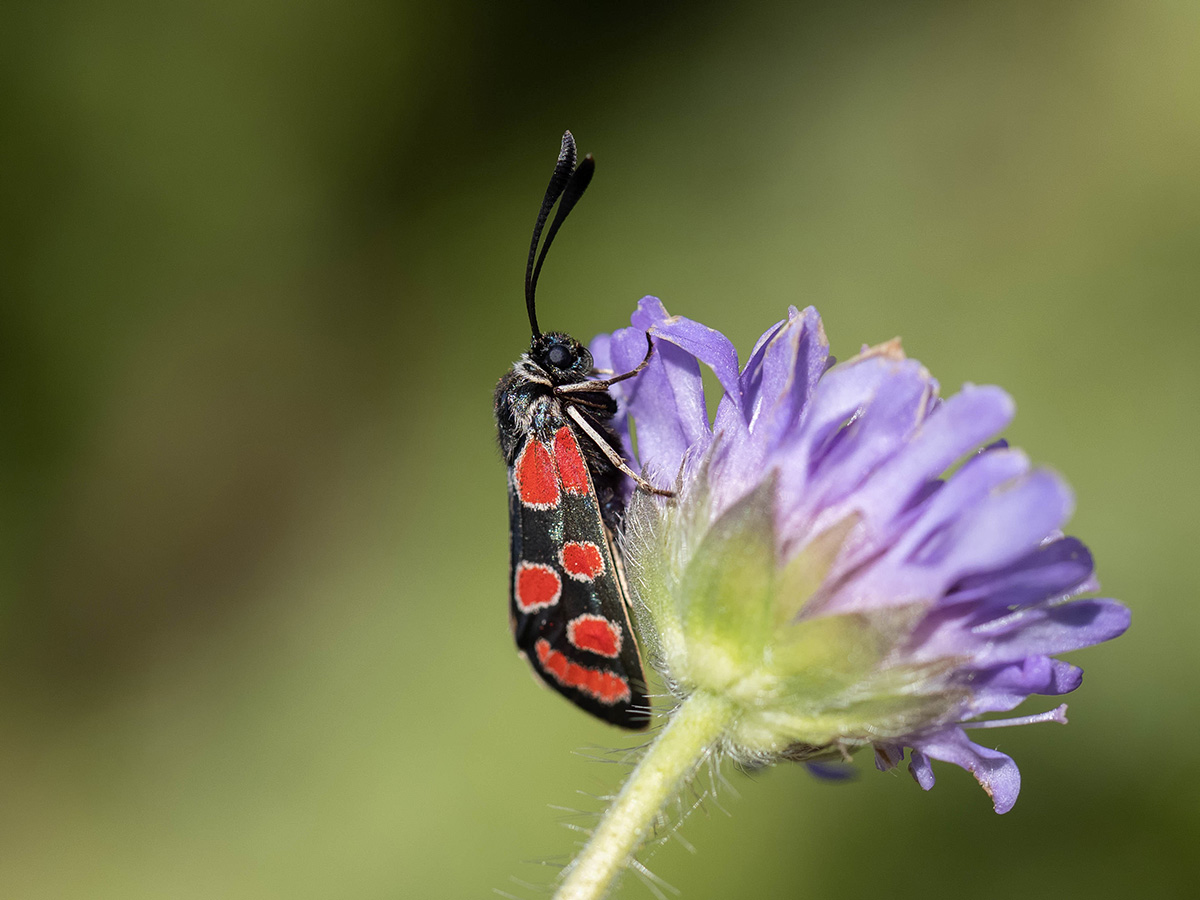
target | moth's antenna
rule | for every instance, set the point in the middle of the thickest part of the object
(569, 183)
(574, 190)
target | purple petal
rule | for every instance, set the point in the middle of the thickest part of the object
(737, 460)
(782, 374)
(736, 466)
(960, 424)
(972, 484)
(1005, 526)
(982, 519)
(1040, 631)
(1056, 569)
(920, 767)
(667, 399)
(996, 773)
(843, 393)
(872, 439)
(1049, 630)
(752, 371)
(1004, 687)
(915, 567)
(601, 350)
(707, 345)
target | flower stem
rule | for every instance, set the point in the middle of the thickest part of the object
(682, 746)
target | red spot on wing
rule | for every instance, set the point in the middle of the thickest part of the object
(606, 687)
(582, 560)
(537, 485)
(595, 634)
(571, 467)
(536, 586)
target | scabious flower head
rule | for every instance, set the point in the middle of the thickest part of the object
(848, 562)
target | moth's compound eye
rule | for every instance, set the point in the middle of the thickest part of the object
(560, 356)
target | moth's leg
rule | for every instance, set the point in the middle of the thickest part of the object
(600, 405)
(613, 456)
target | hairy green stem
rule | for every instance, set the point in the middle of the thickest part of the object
(694, 728)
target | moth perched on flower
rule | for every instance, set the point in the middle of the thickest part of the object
(566, 497)
(848, 563)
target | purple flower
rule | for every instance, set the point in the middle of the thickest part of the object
(826, 569)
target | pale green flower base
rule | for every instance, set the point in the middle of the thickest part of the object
(692, 731)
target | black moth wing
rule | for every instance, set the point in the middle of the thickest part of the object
(582, 644)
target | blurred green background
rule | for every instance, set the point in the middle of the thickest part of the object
(261, 267)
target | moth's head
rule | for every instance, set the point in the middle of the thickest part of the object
(563, 357)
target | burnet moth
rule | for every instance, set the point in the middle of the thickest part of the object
(568, 599)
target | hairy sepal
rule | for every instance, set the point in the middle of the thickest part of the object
(728, 619)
